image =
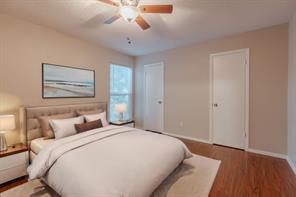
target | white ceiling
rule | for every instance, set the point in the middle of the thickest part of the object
(192, 21)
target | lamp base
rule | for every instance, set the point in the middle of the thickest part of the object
(3, 143)
(121, 117)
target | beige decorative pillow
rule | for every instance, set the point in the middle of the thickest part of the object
(47, 131)
(89, 112)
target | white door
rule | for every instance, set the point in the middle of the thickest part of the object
(230, 97)
(153, 100)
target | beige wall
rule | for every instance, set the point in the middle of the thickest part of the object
(292, 92)
(187, 86)
(24, 46)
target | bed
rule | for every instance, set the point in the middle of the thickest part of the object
(31, 129)
(37, 145)
(109, 161)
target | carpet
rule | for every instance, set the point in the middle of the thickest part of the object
(193, 178)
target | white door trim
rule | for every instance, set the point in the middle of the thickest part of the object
(247, 51)
(163, 103)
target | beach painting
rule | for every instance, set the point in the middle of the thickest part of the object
(67, 82)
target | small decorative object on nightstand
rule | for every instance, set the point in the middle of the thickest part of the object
(124, 123)
(7, 123)
(13, 163)
(121, 108)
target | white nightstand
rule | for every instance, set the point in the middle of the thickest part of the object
(13, 163)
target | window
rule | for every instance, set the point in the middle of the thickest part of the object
(121, 83)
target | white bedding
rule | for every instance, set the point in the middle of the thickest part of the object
(110, 161)
(38, 144)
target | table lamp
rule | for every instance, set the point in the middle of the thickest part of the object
(121, 108)
(7, 123)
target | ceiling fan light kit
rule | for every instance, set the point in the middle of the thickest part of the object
(130, 10)
(129, 13)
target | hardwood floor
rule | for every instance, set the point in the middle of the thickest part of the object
(244, 174)
(241, 174)
(13, 183)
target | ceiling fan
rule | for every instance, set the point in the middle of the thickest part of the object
(131, 11)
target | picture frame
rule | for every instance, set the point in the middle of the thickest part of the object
(60, 81)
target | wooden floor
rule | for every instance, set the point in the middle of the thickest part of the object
(244, 174)
(12, 184)
(241, 174)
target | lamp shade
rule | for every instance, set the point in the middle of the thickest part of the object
(121, 108)
(7, 122)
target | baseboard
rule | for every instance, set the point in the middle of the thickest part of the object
(261, 152)
(188, 138)
(292, 165)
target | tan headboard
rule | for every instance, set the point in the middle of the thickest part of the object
(31, 127)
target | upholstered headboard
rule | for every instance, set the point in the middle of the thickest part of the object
(31, 127)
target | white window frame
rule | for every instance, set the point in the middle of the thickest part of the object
(131, 94)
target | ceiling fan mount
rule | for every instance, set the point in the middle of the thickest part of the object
(129, 2)
(131, 11)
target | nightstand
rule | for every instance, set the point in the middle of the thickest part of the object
(13, 163)
(128, 123)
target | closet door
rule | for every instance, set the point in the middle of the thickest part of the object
(230, 98)
(153, 99)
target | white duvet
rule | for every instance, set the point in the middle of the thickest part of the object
(110, 161)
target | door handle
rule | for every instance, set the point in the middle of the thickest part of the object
(159, 102)
(215, 105)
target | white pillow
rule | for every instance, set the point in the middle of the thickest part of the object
(65, 127)
(93, 117)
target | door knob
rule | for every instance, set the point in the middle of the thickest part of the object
(159, 102)
(215, 104)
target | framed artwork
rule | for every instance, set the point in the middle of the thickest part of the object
(67, 82)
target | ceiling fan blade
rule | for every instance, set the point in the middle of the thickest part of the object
(142, 23)
(112, 19)
(110, 2)
(165, 9)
